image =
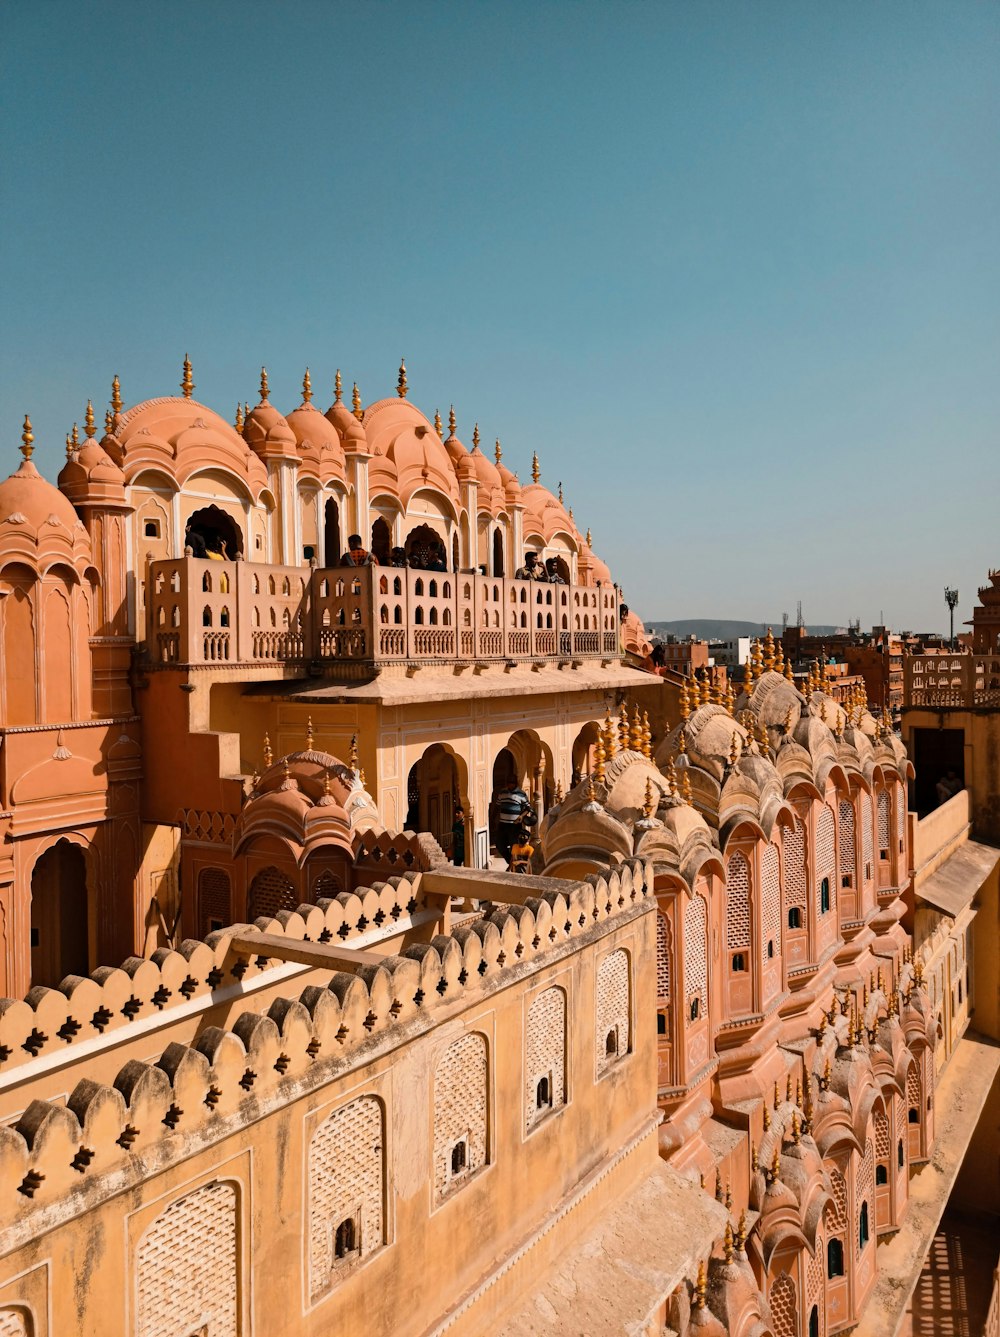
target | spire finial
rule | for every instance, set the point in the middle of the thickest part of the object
(27, 439)
(600, 757)
(238, 423)
(116, 396)
(727, 1243)
(307, 387)
(560, 492)
(401, 386)
(590, 541)
(338, 388)
(263, 385)
(686, 794)
(498, 453)
(536, 472)
(309, 734)
(475, 437)
(649, 804)
(734, 749)
(187, 380)
(701, 1288)
(438, 425)
(610, 735)
(356, 408)
(352, 760)
(647, 737)
(109, 422)
(452, 420)
(268, 754)
(75, 436)
(69, 446)
(88, 419)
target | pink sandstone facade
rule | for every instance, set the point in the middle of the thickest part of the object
(335, 1081)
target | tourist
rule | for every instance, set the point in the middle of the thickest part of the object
(513, 812)
(521, 851)
(552, 572)
(397, 557)
(458, 837)
(532, 568)
(357, 554)
(193, 539)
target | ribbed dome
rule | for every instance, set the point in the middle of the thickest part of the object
(27, 500)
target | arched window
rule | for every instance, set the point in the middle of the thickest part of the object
(881, 1174)
(834, 1259)
(795, 917)
(418, 586)
(344, 1241)
(900, 1154)
(206, 583)
(397, 585)
(224, 617)
(824, 896)
(863, 1226)
(206, 617)
(433, 619)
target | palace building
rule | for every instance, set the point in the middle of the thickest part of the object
(286, 1050)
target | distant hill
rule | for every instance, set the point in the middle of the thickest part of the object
(722, 629)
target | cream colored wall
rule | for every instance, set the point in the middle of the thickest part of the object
(435, 1253)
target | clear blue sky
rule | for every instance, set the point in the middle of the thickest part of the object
(732, 269)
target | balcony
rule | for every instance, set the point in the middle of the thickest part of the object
(226, 613)
(960, 680)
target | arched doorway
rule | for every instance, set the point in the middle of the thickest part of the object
(331, 533)
(424, 543)
(381, 542)
(497, 552)
(218, 531)
(59, 920)
(583, 751)
(433, 791)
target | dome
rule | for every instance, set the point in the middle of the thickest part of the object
(348, 428)
(545, 512)
(29, 501)
(182, 437)
(90, 474)
(267, 432)
(318, 441)
(492, 496)
(401, 434)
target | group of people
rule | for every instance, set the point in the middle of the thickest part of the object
(428, 557)
(533, 569)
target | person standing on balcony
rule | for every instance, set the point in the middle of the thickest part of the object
(357, 554)
(458, 837)
(552, 572)
(532, 568)
(194, 540)
(397, 557)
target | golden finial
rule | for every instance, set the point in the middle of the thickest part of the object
(69, 446)
(824, 1081)
(599, 757)
(754, 1160)
(27, 439)
(338, 388)
(796, 1127)
(769, 651)
(116, 396)
(918, 970)
(672, 777)
(701, 1288)
(734, 749)
(647, 737)
(776, 1161)
(741, 1232)
(75, 436)
(767, 1118)
(623, 727)
(238, 424)
(352, 760)
(727, 1243)
(590, 541)
(187, 380)
(730, 701)
(610, 736)
(452, 421)
(264, 391)
(718, 1186)
(536, 473)
(356, 409)
(307, 387)
(779, 659)
(475, 437)
(591, 792)
(788, 1088)
(108, 422)
(823, 1021)
(728, 1200)
(309, 734)
(497, 452)
(777, 1095)
(685, 703)
(798, 1091)
(762, 736)
(438, 425)
(686, 794)
(326, 784)
(246, 411)
(649, 806)
(635, 735)
(560, 492)
(401, 386)
(789, 676)
(268, 754)
(88, 419)
(361, 777)
(682, 742)
(789, 719)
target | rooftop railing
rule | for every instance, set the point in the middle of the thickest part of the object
(201, 611)
(952, 680)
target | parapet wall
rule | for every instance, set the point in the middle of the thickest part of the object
(149, 1115)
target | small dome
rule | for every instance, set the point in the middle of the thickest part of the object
(91, 474)
(29, 501)
(351, 433)
(398, 431)
(318, 441)
(545, 512)
(267, 432)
